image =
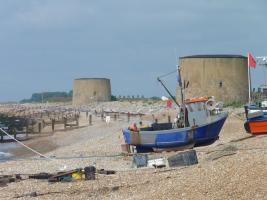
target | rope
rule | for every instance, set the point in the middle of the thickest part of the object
(64, 158)
(121, 155)
(36, 152)
(237, 149)
(168, 74)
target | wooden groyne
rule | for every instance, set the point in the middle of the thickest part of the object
(19, 119)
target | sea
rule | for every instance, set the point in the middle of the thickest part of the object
(4, 150)
(5, 147)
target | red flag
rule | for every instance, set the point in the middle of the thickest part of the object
(169, 103)
(251, 61)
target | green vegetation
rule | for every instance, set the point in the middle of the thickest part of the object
(155, 98)
(53, 97)
(234, 104)
(113, 98)
(49, 97)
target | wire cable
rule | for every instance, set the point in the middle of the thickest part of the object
(29, 148)
(167, 74)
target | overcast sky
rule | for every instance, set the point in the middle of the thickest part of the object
(46, 44)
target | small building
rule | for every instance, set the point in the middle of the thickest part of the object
(263, 89)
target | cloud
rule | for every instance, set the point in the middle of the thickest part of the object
(48, 14)
(66, 39)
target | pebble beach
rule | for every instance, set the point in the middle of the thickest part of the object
(234, 167)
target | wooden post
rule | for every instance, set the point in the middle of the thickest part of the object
(65, 122)
(77, 120)
(90, 120)
(27, 127)
(2, 136)
(39, 127)
(32, 126)
(13, 132)
(128, 116)
(53, 125)
(169, 118)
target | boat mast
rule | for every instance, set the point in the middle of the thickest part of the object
(168, 92)
(249, 83)
(263, 61)
(180, 84)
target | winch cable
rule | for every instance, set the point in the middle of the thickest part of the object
(159, 79)
(29, 148)
(164, 75)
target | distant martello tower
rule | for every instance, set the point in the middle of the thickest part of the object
(88, 90)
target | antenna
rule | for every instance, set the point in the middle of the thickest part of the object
(262, 60)
(175, 51)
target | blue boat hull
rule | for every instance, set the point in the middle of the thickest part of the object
(166, 139)
(209, 133)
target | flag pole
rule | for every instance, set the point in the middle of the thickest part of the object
(249, 83)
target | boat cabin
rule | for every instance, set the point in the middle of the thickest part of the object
(197, 111)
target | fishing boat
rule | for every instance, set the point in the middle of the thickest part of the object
(201, 127)
(256, 115)
(199, 122)
(256, 119)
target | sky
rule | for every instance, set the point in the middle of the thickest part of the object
(46, 44)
